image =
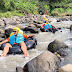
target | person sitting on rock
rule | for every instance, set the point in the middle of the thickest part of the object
(14, 39)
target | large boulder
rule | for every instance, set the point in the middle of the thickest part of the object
(9, 26)
(45, 62)
(66, 68)
(9, 22)
(32, 28)
(8, 32)
(57, 46)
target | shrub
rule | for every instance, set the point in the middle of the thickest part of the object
(59, 10)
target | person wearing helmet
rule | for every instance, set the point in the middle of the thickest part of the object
(46, 26)
(15, 38)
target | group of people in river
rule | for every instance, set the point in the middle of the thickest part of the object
(47, 26)
(16, 38)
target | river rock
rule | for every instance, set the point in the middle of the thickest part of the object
(19, 69)
(45, 62)
(57, 45)
(32, 29)
(9, 22)
(37, 21)
(37, 25)
(2, 35)
(1, 39)
(22, 20)
(19, 26)
(27, 20)
(58, 19)
(2, 23)
(70, 18)
(70, 27)
(9, 26)
(8, 32)
(62, 52)
(66, 68)
(66, 18)
(2, 31)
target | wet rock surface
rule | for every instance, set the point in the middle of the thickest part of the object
(57, 46)
(46, 62)
(66, 68)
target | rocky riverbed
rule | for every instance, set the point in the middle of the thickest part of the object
(39, 57)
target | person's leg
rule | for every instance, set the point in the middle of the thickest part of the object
(24, 48)
(6, 49)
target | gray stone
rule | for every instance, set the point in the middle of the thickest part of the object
(19, 69)
(66, 68)
(9, 22)
(45, 62)
(57, 46)
(2, 23)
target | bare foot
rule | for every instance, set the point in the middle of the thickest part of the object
(25, 55)
(3, 55)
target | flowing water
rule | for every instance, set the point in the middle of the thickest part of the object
(9, 63)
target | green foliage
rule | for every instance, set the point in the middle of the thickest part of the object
(16, 13)
(43, 7)
(7, 14)
(70, 5)
(59, 10)
(69, 9)
(22, 7)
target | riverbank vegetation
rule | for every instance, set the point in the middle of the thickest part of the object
(25, 7)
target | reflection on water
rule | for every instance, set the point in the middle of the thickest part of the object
(9, 63)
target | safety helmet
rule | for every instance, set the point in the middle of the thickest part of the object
(16, 28)
(46, 19)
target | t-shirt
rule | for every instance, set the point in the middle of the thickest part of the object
(51, 25)
(25, 36)
(43, 25)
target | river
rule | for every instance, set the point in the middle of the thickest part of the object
(9, 63)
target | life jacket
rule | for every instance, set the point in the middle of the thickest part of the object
(46, 26)
(18, 40)
(49, 26)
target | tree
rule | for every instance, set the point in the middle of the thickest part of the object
(2, 3)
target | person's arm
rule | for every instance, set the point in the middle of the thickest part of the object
(43, 25)
(3, 42)
(31, 35)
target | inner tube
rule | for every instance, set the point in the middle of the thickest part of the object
(49, 30)
(43, 30)
(31, 43)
